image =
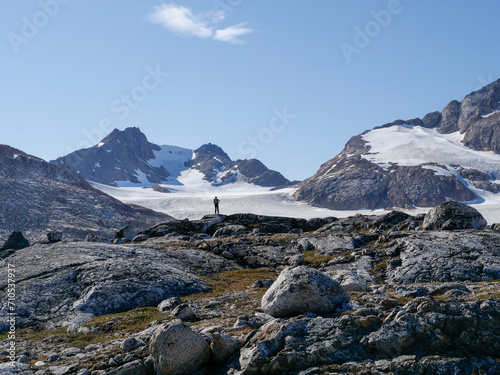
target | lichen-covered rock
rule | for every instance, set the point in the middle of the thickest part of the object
(453, 215)
(427, 326)
(303, 289)
(69, 283)
(177, 349)
(446, 257)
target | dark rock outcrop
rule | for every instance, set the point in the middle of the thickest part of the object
(16, 241)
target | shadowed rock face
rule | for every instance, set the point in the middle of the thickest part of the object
(348, 181)
(38, 197)
(352, 183)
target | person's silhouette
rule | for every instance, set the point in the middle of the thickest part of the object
(216, 204)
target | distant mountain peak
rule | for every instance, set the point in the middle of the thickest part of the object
(418, 162)
(211, 150)
(126, 157)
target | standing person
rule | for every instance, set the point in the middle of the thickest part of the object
(216, 204)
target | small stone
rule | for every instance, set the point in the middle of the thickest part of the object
(114, 361)
(92, 347)
(95, 238)
(23, 359)
(68, 352)
(54, 237)
(228, 255)
(128, 358)
(52, 357)
(131, 343)
(62, 370)
(185, 313)
(169, 304)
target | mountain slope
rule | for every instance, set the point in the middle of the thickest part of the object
(38, 197)
(453, 154)
(127, 158)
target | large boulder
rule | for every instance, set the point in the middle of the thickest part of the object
(176, 349)
(16, 241)
(302, 289)
(453, 215)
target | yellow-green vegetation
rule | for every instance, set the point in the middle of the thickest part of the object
(107, 326)
(235, 280)
(492, 292)
(283, 237)
(404, 300)
(312, 258)
(381, 266)
(181, 244)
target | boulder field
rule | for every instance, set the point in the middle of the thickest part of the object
(249, 294)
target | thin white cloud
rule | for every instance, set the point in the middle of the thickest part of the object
(181, 20)
(231, 34)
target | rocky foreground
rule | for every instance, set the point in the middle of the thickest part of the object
(247, 294)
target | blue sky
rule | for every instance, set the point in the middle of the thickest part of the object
(288, 82)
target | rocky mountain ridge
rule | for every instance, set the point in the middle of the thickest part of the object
(39, 197)
(452, 154)
(128, 158)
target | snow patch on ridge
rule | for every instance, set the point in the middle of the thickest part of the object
(415, 145)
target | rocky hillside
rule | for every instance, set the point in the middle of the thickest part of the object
(248, 294)
(452, 154)
(128, 158)
(38, 197)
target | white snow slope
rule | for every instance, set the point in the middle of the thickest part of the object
(172, 158)
(413, 145)
(192, 196)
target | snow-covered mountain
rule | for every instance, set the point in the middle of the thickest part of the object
(453, 154)
(127, 158)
